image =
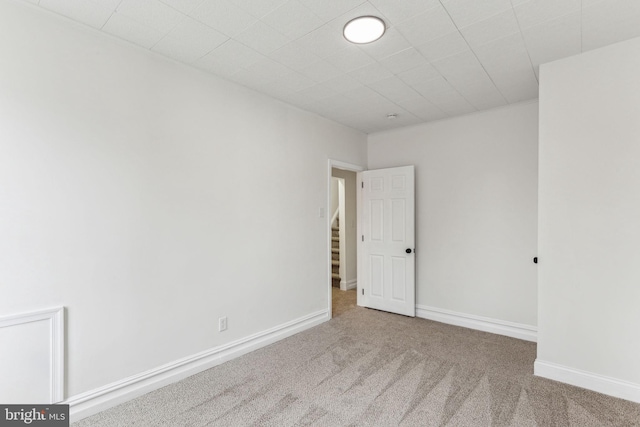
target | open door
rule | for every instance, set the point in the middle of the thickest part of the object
(388, 240)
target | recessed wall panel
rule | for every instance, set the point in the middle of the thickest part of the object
(377, 184)
(398, 278)
(398, 182)
(25, 363)
(377, 220)
(398, 220)
(377, 275)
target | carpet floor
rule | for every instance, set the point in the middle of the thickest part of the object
(370, 368)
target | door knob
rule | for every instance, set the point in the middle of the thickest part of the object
(408, 251)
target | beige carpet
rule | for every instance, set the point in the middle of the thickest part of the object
(343, 301)
(369, 368)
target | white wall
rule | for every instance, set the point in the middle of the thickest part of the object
(589, 276)
(150, 199)
(476, 201)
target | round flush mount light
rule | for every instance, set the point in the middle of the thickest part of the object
(364, 29)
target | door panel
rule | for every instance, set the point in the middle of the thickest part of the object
(388, 224)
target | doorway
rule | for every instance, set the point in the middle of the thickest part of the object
(342, 236)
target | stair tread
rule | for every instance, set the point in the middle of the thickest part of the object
(335, 276)
(335, 262)
(335, 229)
(335, 250)
(335, 239)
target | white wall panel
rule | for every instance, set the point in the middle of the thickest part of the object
(589, 216)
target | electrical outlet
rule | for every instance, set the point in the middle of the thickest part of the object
(222, 324)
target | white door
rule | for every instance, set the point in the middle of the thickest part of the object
(388, 240)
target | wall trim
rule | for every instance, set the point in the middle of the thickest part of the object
(595, 382)
(486, 324)
(351, 284)
(55, 317)
(105, 397)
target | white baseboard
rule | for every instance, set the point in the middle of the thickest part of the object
(486, 324)
(97, 400)
(352, 284)
(595, 382)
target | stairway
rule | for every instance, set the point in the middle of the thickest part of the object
(335, 255)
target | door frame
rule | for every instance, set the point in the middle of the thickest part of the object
(349, 167)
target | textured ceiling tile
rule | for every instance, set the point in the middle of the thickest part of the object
(392, 42)
(466, 12)
(294, 57)
(259, 8)
(317, 92)
(482, 96)
(398, 11)
(444, 46)
(427, 26)
(603, 36)
(487, 30)
(404, 61)
(394, 89)
(178, 50)
(128, 29)
(452, 103)
(371, 73)
(364, 9)
(508, 78)
(223, 16)
(184, 6)
(237, 54)
(419, 74)
(462, 68)
(330, 9)
(363, 94)
(293, 19)
(295, 81)
(152, 13)
(507, 53)
(269, 69)
(321, 71)
(262, 38)
(519, 93)
(349, 59)
(194, 36)
(342, 83)
(323, 41)
(418, 106)
(91, 13)
(609, 21)
(432, 87)
(554, 39)
(534, 12)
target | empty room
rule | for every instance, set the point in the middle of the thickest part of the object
(320, 212)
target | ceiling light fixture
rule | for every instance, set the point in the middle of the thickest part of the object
(364, 29)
